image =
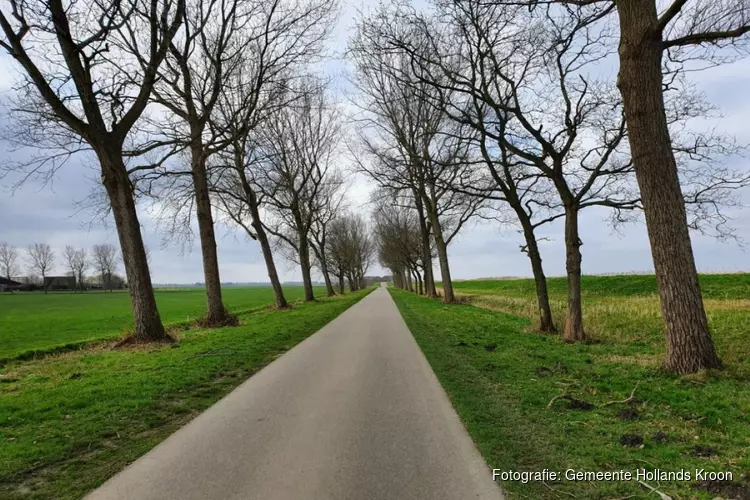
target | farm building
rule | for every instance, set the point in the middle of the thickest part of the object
(60, 282)
(6, 284)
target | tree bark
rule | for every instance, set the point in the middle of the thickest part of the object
(304, 259)
(442, 250)
(341, 283)
(260, 234)
(690, 347)
(147, 323)
(574, 324)
(324, 269)
(546, 324)
(265, 247)
(429, 278)
(216, 312)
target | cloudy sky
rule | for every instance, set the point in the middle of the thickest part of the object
(48, 214)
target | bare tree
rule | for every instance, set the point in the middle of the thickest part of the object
(105, 260)
(8, 262)
(282, 40)
(299, 142)
(200, 62)
(527, 80)
(78, 94)
(685, 30)
(413, 143)
(351, 250)
(398, 243)
(41, 260)
(75, 260)
(330, 207)
(80, 265)
(644, 37)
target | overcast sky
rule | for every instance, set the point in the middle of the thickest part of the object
(48, 214)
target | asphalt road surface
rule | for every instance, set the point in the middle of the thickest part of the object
(354, 412)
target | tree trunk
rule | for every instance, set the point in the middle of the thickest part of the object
(304, 259)
(546, 324)
(442, 250)
(330, 292)
(216, 312)
(429, 278)
(265, 247)
(574, 324)
(324, 269)
(260, 234)
(420, 288)
(690, 347)
(147, 323)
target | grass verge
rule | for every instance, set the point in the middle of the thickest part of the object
(70, 421)
(34, 323)
(502, 379)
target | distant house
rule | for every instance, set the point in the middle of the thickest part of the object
(6, 284)
(60, 283)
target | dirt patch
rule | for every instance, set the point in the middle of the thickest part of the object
(543, 371)
(725, 489)
(490, 347)
(659, 437)
(462, 344)
(579, 404)
(573, 403)
(628, 414)
(76, 376)
(631, 440)
(547, 371)
(703, 451)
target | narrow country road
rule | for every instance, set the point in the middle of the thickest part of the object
(354, 412)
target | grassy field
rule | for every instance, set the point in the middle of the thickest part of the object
(69, 421)
(35, 321)
(625, 310)
(501, 377)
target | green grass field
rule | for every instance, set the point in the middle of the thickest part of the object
(501, 376)
(71, 420)
(713, 286)
(35, 321)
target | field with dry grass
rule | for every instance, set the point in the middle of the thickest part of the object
(625, 310)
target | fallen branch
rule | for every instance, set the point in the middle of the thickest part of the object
(624, 401)
(663, 496)
(561, 396)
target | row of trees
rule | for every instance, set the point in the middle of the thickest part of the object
(40, 261)
(210, 109)
(504, 109)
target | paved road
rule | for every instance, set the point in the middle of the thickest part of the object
(354, 412)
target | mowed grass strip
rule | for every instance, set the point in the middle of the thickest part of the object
(70, 421)
(501, 378)
(35, 321)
